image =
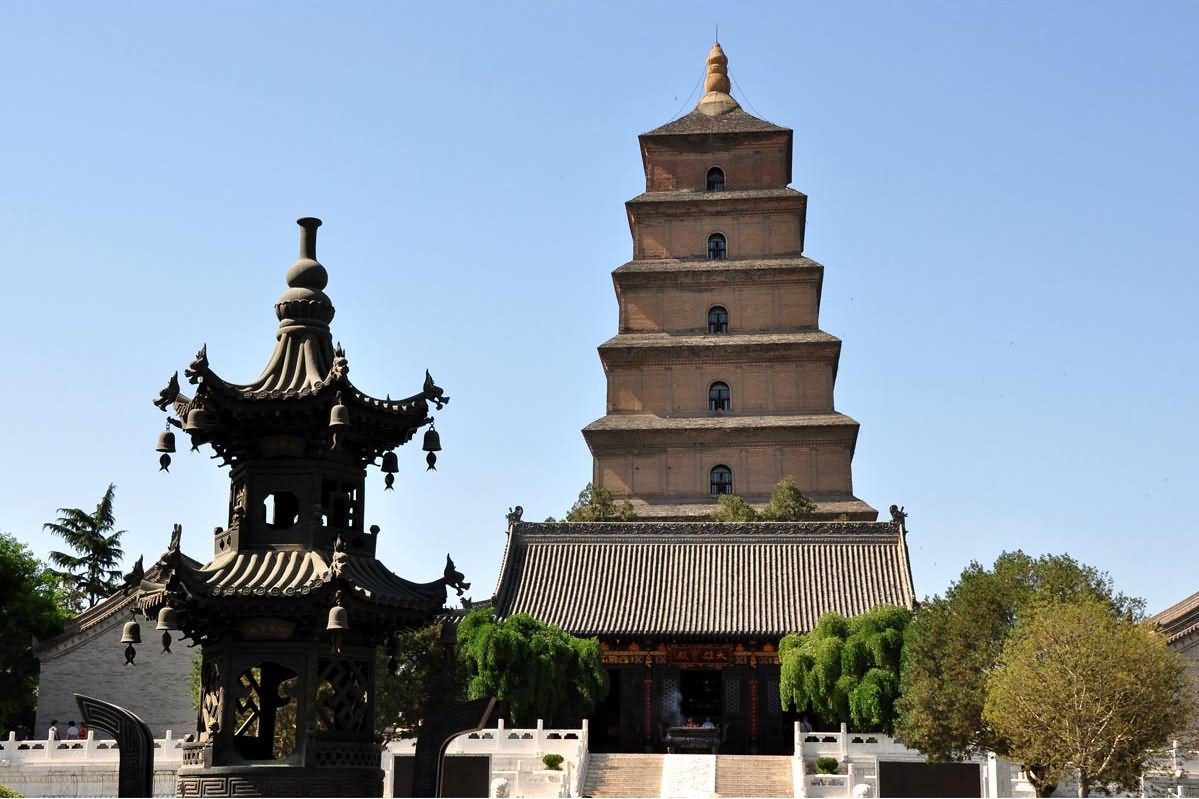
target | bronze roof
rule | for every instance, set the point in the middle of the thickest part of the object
(297, 572)
(701, 580)
(1179, 620)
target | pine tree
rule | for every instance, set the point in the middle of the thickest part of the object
(93, 572)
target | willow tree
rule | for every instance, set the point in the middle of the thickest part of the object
(846, 670)
(537, 670)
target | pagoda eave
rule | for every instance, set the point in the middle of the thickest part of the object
(639, 349)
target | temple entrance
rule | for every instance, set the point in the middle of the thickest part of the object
(701, 696)
(605, 735)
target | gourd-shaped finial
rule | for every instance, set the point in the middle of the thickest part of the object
(307, 272)
(717, 99)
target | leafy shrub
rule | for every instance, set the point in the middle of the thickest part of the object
(826, 765)
(552, 761)
(7, 792)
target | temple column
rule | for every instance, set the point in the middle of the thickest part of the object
(647, 701)
(755, 707)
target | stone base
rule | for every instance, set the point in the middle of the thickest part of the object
(273, 780)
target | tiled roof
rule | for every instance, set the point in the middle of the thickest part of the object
(714, 196)
(1179, 620)
(287, 573)
(829, 506)
(701, 580)
(648, 421)
(734, 121)
(647, 340)
(692, 264)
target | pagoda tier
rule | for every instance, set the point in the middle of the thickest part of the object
(293, 607)
(720, 379)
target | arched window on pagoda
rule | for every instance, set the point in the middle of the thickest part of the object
(718, 319)
(716, 247)
(715, 179)
(721, 481)
(719, 397)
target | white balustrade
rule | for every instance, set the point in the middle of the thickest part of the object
(516, 756)
(84, 767)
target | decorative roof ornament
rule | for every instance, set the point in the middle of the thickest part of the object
(717, 98)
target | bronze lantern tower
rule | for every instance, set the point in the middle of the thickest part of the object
(293, 605)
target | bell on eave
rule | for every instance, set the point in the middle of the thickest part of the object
(339, 619)
(166, 441)
(167, 619)
(339, 415)
(432, 440)
(132, 633)
(390, 464)
(198, 420)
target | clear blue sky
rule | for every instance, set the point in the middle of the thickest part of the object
(1003, 195)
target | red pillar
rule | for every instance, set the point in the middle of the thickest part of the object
(648, 706)
(754, 710)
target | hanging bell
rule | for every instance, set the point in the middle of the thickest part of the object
(391, 464)
(432, 446)
(167, 619)
(132, 634)
(339, 619)
(339, 416)
(199, 420)
(166, 442)
(432, 440)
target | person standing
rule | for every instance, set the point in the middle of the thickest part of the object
(52, 733)
(72, 731)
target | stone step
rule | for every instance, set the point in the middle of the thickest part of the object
(623, 775)
(753, 776)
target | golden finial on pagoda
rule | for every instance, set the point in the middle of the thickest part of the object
(717, 99)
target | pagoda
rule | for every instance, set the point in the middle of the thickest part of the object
(720, 380)
(291, 608)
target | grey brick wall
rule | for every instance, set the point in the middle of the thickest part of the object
(156, 688)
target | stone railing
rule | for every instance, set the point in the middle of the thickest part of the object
(85, 767)
(515, 755)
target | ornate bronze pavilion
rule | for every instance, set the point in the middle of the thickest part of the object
(290, 611)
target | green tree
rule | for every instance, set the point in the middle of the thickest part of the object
(31, 606)
(954, 642)
(536, 669)
(1085, 691)
(93, 572)
(733, 508)
(787, 503)
(597, 505)
(846, 670)
(422, 677)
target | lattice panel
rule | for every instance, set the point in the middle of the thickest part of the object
(732, 695)
(343, 695)
(213, 696)
(670, 701)
(249, 704)
(773, 707)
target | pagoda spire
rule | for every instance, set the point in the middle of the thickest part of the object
(717, 98)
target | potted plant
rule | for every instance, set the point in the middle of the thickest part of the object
(552, 761)
(827, 765)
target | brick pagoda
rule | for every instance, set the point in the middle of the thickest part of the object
(720, 379)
